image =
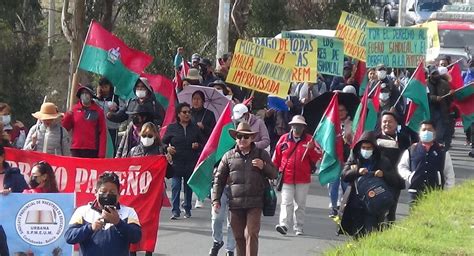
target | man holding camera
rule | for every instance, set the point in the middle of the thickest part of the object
(104, 226)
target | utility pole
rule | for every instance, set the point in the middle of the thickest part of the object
(402, 10)
(223, 29)
(51, 17)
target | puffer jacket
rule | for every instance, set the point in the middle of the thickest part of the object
(246, 183)
(58, 141)
(440, 88)
(288, 158)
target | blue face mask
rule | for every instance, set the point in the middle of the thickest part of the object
(426, 136)
(366, 154)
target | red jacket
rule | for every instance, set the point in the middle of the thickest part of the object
(288, 159)
(88, 127)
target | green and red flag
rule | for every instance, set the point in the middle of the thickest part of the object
(456, 77)
(218, 144)
(329, 137)
(416, 91)
(361, 77)
(107, 55)
(165, 94)
(376, 97)
(464, 101)
(365, 118)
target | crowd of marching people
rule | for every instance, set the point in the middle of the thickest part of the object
(269, 144)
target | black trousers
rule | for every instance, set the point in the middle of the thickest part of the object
(393, 210)
(85, 153)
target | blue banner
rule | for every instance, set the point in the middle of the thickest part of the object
(35, 223)
(276, 103)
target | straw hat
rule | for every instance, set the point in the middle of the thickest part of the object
(298, 119)
(242, 128)
(48, 111)
(193, 74)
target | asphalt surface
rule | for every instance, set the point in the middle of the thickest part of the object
(193, 236)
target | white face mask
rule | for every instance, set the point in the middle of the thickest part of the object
(140, 93)
(147, 141)
(85, 99)
(6, 120)
(384, 96)
(381, 74)
(366, 154)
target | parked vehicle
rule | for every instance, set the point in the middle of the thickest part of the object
(418, 11)
(456, 40)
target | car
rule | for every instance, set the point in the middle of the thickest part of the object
(417, 12)
(456, 40)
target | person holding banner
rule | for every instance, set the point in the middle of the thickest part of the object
(47, 135)
(11, 179)
(104, 226)
(42, 179)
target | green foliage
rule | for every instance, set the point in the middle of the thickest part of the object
(441, 224)
(266, 23)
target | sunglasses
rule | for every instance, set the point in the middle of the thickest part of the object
(186, 112)
(147, 135)
(242, 136)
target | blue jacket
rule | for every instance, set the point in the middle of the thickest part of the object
(111, 240)
(13, 179)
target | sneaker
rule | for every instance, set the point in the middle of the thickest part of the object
(174, 217)
(229, 253)
(215, 248)
(187, 215)
(333, 212)
(299, 232)
(281, 229)
(199, 204)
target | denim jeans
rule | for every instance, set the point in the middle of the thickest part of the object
(333, 189)
(218, 222)
(175, 195)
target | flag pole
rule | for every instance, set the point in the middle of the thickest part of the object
(454, 63)
(458, 89)
(401, 94)
(373, 89)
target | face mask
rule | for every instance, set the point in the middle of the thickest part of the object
(147, 141)
(136, 120)
(220, 91)
(381, 74)
(366, 154)
(384, 96)
(33, 183)
(107, 199)
(298, 130)
(426, 136)
(6, 119)
(140, 93)
(85, 99)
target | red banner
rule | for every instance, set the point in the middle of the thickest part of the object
(141, 183)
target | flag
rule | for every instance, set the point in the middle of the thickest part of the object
(456, 77)
(375, 97)
(328, 136)
(464, 101)
(106, 55)
(365, 118)
(361, 77)
(109, 147)
(218, 144)
(469, 76)
(179, 75)
(416, 91)
(166, 95)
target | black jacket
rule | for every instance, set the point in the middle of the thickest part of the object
(182, 139)
(394, 152)
(13, 179)
(207, 118)
(3, 243)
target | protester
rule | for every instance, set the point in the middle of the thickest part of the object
(365, 161)
(207, 72)
(295, 157)
(185, 142)
(104, 226)
(42, 179)
(201, 116)
(109, 102)
(140, 114)
(426, 164)
(224, 65)
(246, 168)
(47, 135)
(16, 130)
(392, 144)
(11, 179)
(338, 83)
(87, 122)
(143, 96)
(439, 105)
(4, 137)
(193, 77)
(195, 60)
(240, 113)
(309, 91)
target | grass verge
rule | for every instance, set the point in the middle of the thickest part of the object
(441, 224)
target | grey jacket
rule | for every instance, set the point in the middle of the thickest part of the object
(55, 138)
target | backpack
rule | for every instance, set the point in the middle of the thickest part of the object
(376, 195)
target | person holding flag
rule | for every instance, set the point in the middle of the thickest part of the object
(109, 102)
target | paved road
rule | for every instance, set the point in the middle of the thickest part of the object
(193, 236)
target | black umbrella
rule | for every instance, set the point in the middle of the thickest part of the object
(314, 110)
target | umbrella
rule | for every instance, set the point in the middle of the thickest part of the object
(314, 110)
(214, 100)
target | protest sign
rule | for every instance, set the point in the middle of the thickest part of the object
(35, 223)
(305, 69)
(396, 47)
(141, 180)
(262, 69)
(351, 28)
(433, 46)
(330, 52)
